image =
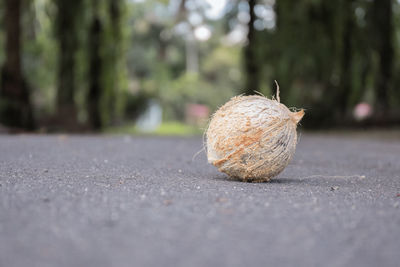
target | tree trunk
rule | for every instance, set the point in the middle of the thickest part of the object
(383, 25)
(95, 70)
(15, 107)
(344, 89)
(252, 67)
(67, 34)
(114, 10)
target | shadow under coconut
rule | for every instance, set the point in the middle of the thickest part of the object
(286, 181)
(224, 177)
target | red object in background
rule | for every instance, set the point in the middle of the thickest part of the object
(197, 114)
(362, 111)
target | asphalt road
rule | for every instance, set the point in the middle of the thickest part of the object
(142, 201)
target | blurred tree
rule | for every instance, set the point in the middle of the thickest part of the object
(67, 26)
(322, 54)
(115, 43)
(251, 64)
(327, 56)
(106, 62)
(15, 106)
(382, 28)
(95, 70)
(343, 90)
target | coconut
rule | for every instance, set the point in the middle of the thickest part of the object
(252, 138)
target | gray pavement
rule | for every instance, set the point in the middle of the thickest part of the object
(142, 201)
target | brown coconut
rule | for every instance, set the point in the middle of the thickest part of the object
(252, 138)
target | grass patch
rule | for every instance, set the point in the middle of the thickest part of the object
(172, 128)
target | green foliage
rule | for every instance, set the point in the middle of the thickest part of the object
(326, 55)
(171, 128)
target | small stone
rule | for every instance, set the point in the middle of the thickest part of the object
(221, 200)
(167, 202)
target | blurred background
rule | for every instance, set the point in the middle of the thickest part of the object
(138, 66)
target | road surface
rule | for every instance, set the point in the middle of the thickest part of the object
(142, 201)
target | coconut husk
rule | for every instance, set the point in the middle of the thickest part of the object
(252, 138)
